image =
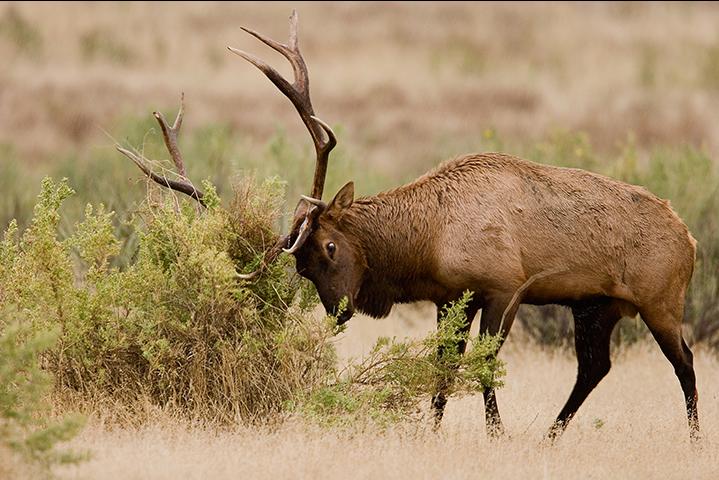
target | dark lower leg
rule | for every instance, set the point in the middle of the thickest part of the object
(439, 400)
(491, 414)
(491, 323)
(687, 379)
(593, 325)
(586, 381)
(691, 398)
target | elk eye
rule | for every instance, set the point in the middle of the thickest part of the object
(331, 249)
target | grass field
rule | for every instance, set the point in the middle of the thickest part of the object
(626, 89)
(389, 74)
(632, 426)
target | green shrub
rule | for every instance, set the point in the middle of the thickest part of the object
(176, 326)
(26, 427)
(390, 382)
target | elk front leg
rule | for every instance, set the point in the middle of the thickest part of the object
(493, 321)
(439, 400)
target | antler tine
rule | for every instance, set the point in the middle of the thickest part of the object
(170, 135)
(137, 159)
(314, 201)
(331, 137)
(182, 187)
(304, 231)
(291, 52)
(294, 27)
(278, 80)
(299, 94)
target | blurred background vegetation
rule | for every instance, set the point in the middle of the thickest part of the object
(599, 86)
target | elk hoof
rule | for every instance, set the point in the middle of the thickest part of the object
(495, 430)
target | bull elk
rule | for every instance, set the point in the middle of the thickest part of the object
(509, 230)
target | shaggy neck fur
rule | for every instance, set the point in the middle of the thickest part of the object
(396, 231)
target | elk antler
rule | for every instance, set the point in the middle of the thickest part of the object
(169, 134)
(299, 94)
(302, 224)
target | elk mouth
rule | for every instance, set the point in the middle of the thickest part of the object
(341, 315)
(344, 317)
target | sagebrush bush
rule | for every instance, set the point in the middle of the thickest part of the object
(176, 326)
(179, 329)
(26, 426)
(397, 377)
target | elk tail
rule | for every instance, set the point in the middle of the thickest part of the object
(518, 296)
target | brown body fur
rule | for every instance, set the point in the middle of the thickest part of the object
(488, 222)
(512, 232)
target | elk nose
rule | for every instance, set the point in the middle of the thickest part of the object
(344, 316)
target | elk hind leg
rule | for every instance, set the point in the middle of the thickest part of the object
(594, 321)
(665, 323)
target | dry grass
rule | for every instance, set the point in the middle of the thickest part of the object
(643, 436)
(632, 426)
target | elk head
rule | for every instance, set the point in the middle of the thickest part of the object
(330, 258)
(324, 255)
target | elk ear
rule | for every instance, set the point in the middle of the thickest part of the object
(343, 199)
